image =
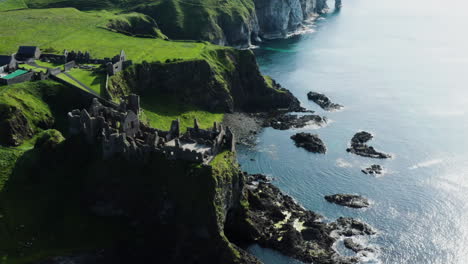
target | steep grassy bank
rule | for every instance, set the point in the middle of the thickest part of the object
(29, 108)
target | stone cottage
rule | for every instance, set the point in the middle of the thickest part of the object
(28, 52)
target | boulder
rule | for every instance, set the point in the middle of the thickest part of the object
(359, 146)
(323, 101)
(309, 142)
(373, 169)
(349, 200)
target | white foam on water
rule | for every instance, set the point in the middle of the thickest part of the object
(425, 164)
(343, 163)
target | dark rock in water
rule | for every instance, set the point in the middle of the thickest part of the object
(353, 245)
(310, 142)
(348, 227)
(361, 137)
(356, 246)
(323, 101)
(373, 169)
(349, 200)
(359, 146)
(287, 121)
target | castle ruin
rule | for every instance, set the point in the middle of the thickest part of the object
(119, 131)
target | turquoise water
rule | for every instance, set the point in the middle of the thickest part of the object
(400, 68)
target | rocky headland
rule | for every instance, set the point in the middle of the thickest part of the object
(359, 146)
(348, 200)
(323, 101)
(274, 220)
(310, 142)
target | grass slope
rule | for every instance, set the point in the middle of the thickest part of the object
(160, 111)
(6, 5)
(92, 79)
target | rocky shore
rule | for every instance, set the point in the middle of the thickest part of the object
(348, 200)
(276, 221)
(359, 146)
(310, 142)
(323, 101)
(373, 169)
(287, 121)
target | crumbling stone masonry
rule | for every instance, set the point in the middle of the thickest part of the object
(119, 131)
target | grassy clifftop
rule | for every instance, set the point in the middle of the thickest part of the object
(68, 28)
(221, 22)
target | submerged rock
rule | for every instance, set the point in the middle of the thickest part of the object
(359, 146)
(349, 200)
(373, 169)
(323, 101)
(310, 142)
(287, 121)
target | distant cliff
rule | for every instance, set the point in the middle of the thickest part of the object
(237, 23)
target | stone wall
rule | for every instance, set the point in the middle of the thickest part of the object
(55, 71)
(69, 65)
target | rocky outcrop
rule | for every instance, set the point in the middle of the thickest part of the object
(349, 227)
(323, 101)
(274, 220)
(373, 169)
(359, 146)
(311, 143)
(356, 246)
(286, 121)
(349, 200)
(202, 83)
(14, 126)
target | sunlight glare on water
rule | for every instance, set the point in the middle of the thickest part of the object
(400, 68)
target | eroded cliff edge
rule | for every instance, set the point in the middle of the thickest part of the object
(238, 23)
(225, 80)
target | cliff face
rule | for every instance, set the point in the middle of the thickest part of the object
(237, 23)
(118, 210)
(226, 80)
(278, 18)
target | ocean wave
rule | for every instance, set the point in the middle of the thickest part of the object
(427, 163)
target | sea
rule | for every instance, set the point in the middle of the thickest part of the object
(400, 68)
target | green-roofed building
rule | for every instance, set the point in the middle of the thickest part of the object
(17, 76)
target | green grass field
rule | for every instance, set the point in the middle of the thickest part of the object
(160, 112)
(12, 5)
(68, 28)
(48, 64)
(33, 68)
(69, 80)
(92, 79)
